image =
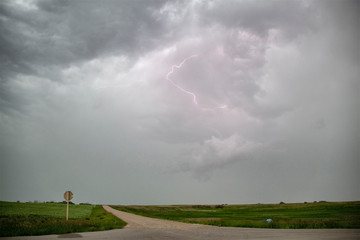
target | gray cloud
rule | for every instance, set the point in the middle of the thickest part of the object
(85, 103)
(293, 17)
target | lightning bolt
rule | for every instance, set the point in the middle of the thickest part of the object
(176, 85)
(194, 97)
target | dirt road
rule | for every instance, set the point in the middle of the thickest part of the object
(143, 228)
(139, 222)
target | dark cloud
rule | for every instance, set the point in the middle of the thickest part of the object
(61, 32)
(292, 17)
(42, 37)
(84, 84)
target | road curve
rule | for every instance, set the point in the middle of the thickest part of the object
(140, 222)
(143, 228)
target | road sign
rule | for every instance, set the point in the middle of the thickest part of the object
(68, 195)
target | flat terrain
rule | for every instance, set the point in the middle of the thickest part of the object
(287, 216)
(23, 219)
(143, 228)
(45, 209)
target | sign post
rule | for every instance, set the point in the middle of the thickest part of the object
(68, 195)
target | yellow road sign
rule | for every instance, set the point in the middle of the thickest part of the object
(68, 195)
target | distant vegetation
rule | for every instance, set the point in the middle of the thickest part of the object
(295, 215)
(24, 219)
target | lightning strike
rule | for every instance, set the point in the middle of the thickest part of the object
(194, 97)
(176, 85)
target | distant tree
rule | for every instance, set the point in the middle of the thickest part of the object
(70, 202)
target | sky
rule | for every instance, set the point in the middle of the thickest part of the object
(179, 102)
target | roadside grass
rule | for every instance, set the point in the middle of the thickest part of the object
(45, 209)
(26, 219)
(295, 215)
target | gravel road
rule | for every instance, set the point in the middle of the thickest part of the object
(140, 222)
(143, 228)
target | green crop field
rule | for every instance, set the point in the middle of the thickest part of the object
(23, 219)
(296, 215)
(45, 209)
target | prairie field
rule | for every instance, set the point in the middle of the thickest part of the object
(293, 215)
(24, 219)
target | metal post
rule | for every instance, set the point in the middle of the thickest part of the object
(67, 210)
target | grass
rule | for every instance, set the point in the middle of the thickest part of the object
(45, 209)
(296, 215)
(25, 219)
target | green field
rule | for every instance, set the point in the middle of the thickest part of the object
(296, 215)
(24, 219)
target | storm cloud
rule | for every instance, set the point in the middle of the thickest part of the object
(97, 97)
